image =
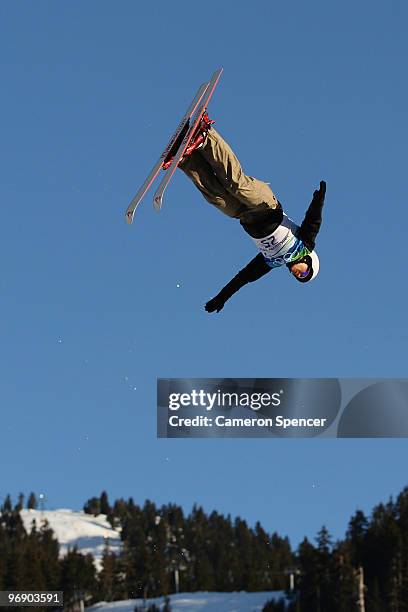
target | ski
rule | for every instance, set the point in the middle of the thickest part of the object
(131, 209)
(205, 99)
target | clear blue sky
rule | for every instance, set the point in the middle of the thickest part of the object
(90, 309)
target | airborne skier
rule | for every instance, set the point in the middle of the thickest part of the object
(210, 163)
(214, 169)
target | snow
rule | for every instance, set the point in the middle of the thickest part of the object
(87, 532)
(198, 602)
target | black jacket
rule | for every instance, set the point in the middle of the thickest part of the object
(264, 226)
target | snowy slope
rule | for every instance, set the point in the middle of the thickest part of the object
(90, 533)
(198, 602)
(87, 532)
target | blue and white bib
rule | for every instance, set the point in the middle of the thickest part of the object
(282, 246)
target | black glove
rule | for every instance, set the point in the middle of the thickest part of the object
(216, 304)
(321, 192)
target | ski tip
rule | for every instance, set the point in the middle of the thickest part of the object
(129, 217)
(157, 205)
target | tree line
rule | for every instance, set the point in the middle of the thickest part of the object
(29, 560)
(165, 550)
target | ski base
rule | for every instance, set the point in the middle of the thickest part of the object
(131, 209)
(193, 116)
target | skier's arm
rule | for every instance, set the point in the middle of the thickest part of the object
(313, 218)
(256, 268)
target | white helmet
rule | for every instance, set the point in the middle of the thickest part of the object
(312, 262)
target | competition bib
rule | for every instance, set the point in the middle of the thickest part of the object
(282, 246)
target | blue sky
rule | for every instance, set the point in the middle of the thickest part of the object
(91, 311)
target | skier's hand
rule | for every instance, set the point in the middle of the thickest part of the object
(321, 192)
(215, 305)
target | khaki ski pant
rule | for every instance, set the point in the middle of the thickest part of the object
(217, 173)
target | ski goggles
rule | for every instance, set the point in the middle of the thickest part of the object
(304, 274)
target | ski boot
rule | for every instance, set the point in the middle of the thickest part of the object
(196, 142)
(200, 135)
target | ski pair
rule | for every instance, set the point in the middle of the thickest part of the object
(193, 114)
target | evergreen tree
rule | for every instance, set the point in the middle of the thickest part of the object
(383, 540)
(111, 577)
(200, 571)
(50, 563)
(245, 551)
(324, 548)
(15, 571)
(212, 552)
(104, 504)
(13, 525)
(7, 505)
(343, 577)
(13, 537)
(33, 577)
(220, 553)
(356, 536)
(107, 576)
(20, 503)
(93, 506)
(137, 557)
(32, 503)
(308, 583)
(118, 513)
(281, 561)
(78, 575)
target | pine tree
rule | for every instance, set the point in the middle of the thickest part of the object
(20, 503)
(104, 506)
(106, 576)
(34, 578)
(111, 576)
(308, 583)
(382, 541)
(14, 572)
(281, 561)
(200, 571)
(32, 503)
(7, 505)
(343, 578)
(50, 563)
(245, 552)
(93, 506)
(13, 537)
(137, 555)
(356, 536)
(78, 575)
(324, 547)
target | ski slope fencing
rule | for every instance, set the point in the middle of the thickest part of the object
(88, 533)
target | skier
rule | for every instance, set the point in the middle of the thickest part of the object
(213, 167)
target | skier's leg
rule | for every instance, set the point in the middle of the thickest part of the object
(255, 194)
(204, 178)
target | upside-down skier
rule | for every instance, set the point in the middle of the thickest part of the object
(213, 167)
